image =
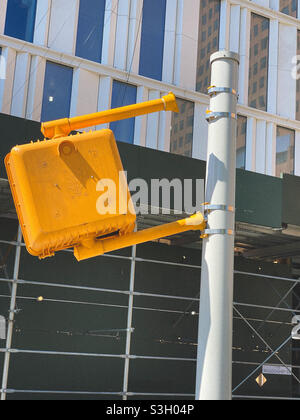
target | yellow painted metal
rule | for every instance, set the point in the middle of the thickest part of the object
(56, 187)
(99, 247)
(63, 127)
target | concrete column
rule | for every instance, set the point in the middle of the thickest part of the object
(20, 89)
(140, 128)
(109, 32)
(42, 21)
(36, 88)
(122, 35)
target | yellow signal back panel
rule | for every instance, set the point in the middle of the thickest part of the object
(56, 184)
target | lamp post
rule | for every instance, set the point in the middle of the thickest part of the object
(214, 361)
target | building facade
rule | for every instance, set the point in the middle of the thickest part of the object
(76, 57)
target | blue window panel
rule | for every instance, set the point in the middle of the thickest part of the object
(57, 92)
(20, 19)
(90, 29)
(122, 95)
(152, 39)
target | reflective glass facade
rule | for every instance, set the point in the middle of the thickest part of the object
(20, 19)
(57, 92)
(208, 41)
(259, 62)
(182, 127)
(152, 39)
(123, 94)
(285, 151)
(90, 29)
(289, 7)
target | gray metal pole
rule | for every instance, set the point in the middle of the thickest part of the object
(214, 361)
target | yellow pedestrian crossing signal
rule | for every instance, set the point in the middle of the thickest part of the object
(60, 188)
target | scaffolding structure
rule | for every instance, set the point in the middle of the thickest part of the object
(257, 320)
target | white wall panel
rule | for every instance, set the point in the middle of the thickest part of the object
(264, 3)
(260, 151)
(122, 34)
(134, 36)
(271, 149)
(6, 85)
(244, 52)
(63, 25)
(109, 32)
(251, 144)
(104, 96)
(3, 6)
(170, 41)
(152, 123)
(164, 131)
(234, 30)
(297, 153)
(141, 122)
(42, 21)
(84, 93)
(200, 132)
(224, 25)
(274, 4)
(273, 66)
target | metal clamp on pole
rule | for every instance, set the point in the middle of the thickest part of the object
(208, 232)
(212, 116)
(213, 91)
(211, 207)
(218, 232)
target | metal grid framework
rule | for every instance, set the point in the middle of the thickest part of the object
(257, 319)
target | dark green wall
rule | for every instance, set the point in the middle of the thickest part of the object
(259, 198)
